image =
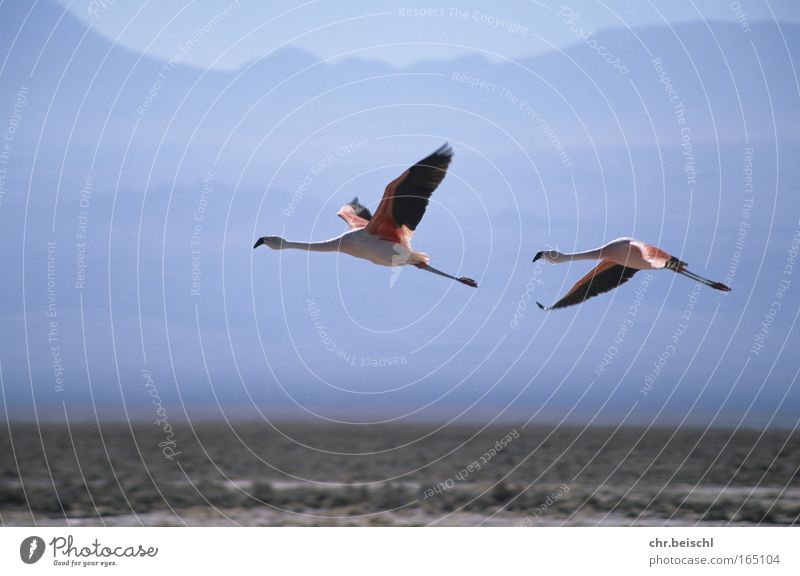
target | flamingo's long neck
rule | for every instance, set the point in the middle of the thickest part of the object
(325, 246)
(595, 254)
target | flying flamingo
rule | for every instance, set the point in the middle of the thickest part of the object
(620, 259)
(385, 238)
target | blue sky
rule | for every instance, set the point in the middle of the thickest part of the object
(145, 153)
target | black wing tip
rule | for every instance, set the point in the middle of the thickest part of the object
(442, 155)
(445, 150)
(360, 210)
(543, 307)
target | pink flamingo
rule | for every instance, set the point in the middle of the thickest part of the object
(385, 238)
(620, 259)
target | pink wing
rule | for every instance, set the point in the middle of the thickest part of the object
(348, 214)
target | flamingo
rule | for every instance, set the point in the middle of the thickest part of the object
(620, 259)
(385, 238)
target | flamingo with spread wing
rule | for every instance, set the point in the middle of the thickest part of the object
(619, 260)
(385, 238)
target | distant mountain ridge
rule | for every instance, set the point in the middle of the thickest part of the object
(77, 72)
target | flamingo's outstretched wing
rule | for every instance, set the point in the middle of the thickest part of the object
(604, 277)
(355, 214)
(406, 197)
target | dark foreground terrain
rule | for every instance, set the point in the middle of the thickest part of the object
(297, 474)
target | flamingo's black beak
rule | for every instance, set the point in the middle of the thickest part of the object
(258, 243)
(538, 255)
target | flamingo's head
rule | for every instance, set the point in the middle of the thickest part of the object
(549, 255)
(274, 242)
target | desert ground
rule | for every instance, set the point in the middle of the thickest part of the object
(280, 474)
